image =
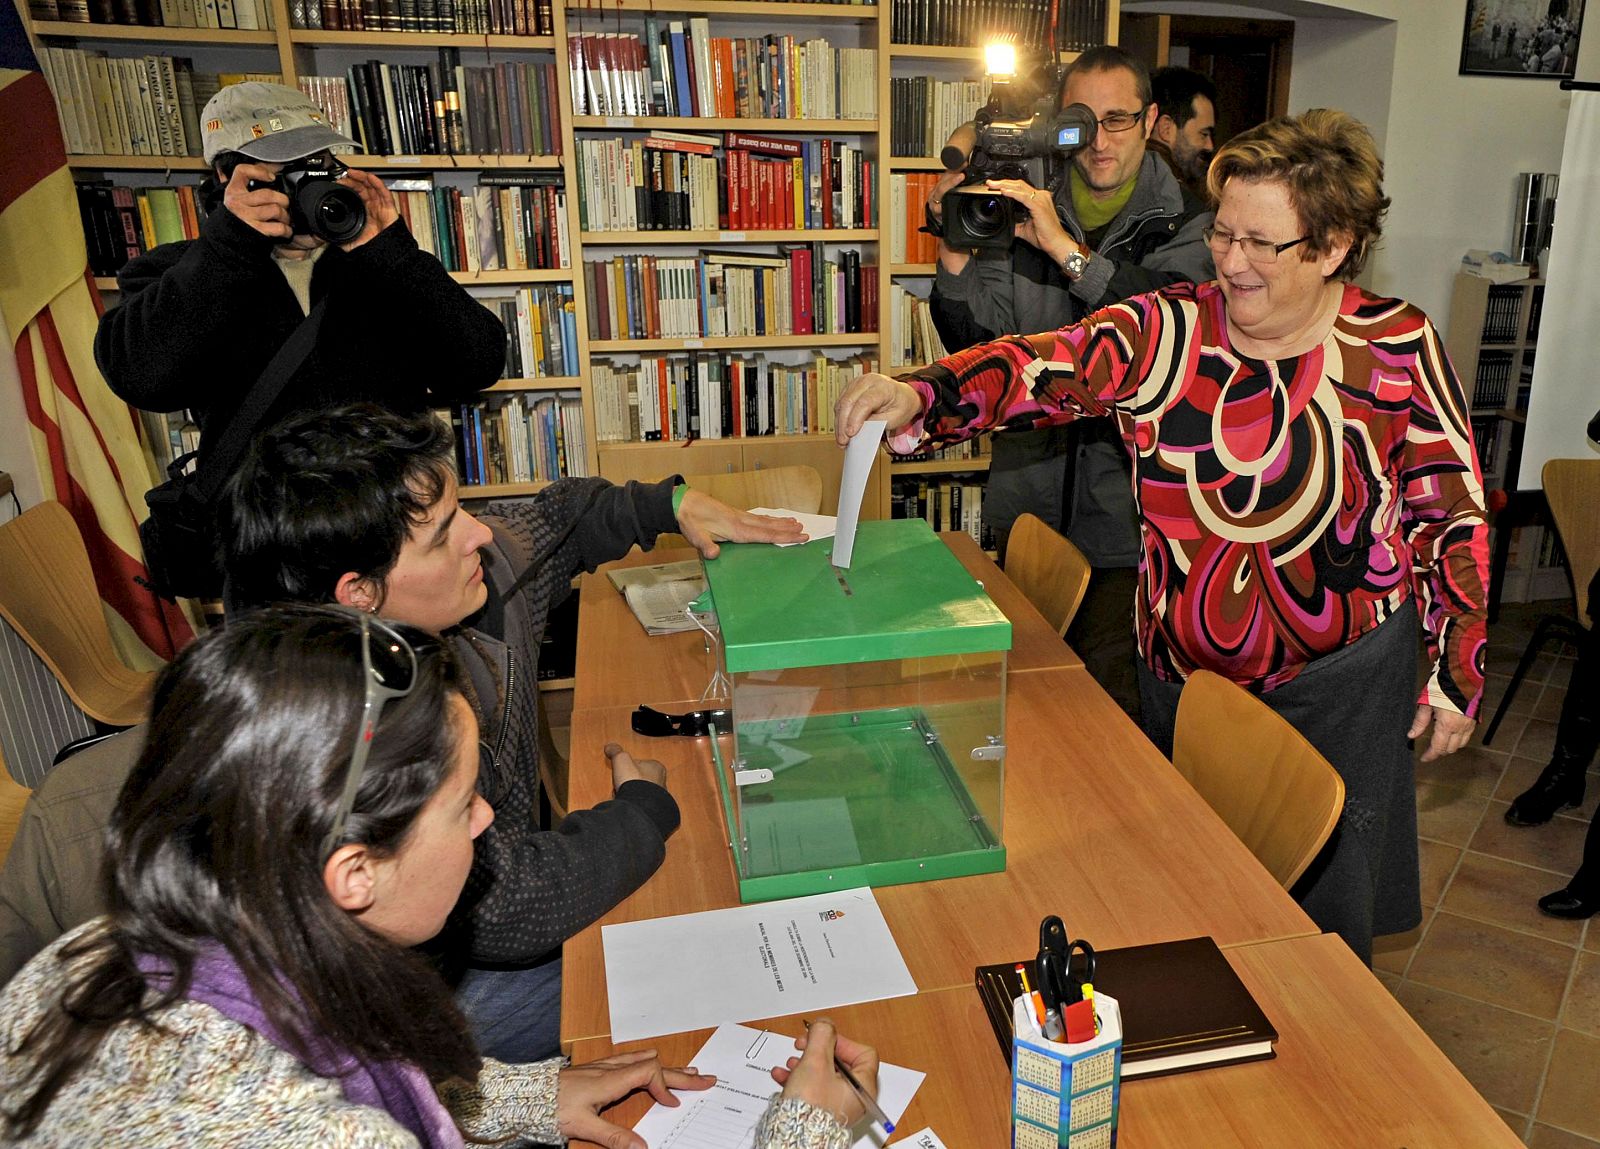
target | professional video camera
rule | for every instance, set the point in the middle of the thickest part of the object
(1018, 135)
(318, 204)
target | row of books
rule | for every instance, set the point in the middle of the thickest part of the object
(510, 222)
(730, 293)
(444, 108)
(513, 438)
(908, 199)
(1486, 430)
(541, 331)
(1502, 314)
(130, 106)
(1492, 389)
(952, 23)
(674, 181)
(926, 111)
(964, 451)
(708, 395)
(946, 504)
(677, 68)
(915, 341)
(475, 17)
(243, 14)
(120, 223)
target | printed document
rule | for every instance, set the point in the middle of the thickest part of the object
(692, 971)
(725, 1116)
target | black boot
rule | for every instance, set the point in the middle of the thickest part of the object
(1559, 787)
(1570, 903)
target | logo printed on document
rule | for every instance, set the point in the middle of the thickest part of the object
(831, 915)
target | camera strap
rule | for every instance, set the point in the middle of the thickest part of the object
(221, 462)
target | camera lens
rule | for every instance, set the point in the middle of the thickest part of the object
(332, 210)
(985, 216)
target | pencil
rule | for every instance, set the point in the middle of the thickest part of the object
(874, 1111)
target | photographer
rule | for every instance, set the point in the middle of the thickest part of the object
(200, 320)
(1120, 224)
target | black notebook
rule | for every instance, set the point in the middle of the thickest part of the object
(1182, 1005)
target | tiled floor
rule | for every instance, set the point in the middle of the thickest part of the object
(1511, 996)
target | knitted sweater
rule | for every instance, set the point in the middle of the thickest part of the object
(200, 1079)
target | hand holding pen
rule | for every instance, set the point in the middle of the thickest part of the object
(835, 1074)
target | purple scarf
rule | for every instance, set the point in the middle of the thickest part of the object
(397, 1087)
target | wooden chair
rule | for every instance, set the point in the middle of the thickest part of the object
(1572, 490)
(795, 488)
(13, 797)
(1271, 786)
(553, 768)
(47, 594)
(1048, 569)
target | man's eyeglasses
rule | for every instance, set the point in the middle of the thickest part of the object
(696, 723)
(1255, 250)
(389, 669)
(1122, 121)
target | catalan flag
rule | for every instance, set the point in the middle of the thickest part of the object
(85, 441)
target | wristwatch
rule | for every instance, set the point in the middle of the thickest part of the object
(1073, 265)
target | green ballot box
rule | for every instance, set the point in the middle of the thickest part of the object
(866, 742)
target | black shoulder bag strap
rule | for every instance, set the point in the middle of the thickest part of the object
(223, 459)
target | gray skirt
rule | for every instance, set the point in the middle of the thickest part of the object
(1355, 706)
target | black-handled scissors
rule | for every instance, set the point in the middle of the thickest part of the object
(1062, 965)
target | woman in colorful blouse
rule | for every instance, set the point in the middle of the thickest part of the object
(1306, 482)
(303, 813)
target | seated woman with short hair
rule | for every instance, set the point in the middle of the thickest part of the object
(303, 812)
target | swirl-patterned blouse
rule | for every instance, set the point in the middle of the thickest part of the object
(1287, 507)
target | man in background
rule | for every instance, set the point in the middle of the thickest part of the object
(1187, 123)
(1119, 225)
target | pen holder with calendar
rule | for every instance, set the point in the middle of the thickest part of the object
(1065, 1095)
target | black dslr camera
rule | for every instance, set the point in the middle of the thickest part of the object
(318, 204)
(1015, 140)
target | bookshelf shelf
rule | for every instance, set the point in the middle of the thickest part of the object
(136, 163)
(723, 124)
(315, 38)
(937, 466)
(106, 282)
(543, 383)
(74, 30)
(798, 11)
(501, 490)
(533, 275)
(735, 342)
(915, 164)
(972, 52)
(914, 269)
(754, 235)
(464, 162)
(733, 440)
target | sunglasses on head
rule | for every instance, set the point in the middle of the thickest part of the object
(389, 669)
(695, 724)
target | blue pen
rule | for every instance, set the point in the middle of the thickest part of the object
(871, 1106)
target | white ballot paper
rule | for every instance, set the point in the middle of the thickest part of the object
(922, 1139)
(816, 526)
(725, 1116)
(668, 975)
(858, 457)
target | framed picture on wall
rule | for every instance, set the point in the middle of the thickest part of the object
(1531, 39)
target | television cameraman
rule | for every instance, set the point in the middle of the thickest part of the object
(201, 320)
(1120, 224)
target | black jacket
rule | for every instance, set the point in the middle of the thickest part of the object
(200, 320)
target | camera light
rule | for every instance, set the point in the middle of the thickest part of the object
(1000, 60)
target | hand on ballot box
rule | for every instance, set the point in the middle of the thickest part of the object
(815, 1076)
(706, 522)
(625, 768)
(584, 1090)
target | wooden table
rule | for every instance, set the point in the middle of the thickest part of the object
(1352, 1068)
(1098, 827)
(618, 665)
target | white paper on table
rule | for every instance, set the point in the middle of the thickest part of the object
(922, 1139)
(725, 1116)
(858, 460)
(816, 526)
(663, 607)
(668, 975)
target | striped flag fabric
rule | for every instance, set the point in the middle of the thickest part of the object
(85, 442)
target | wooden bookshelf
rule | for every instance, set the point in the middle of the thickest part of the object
(464, 162)
(759, 124)
(466, 41)
(937, 466)
(73, 30)
(500, 490)
(753, 235)
(80, 163)
(857, 13)
(915, 164)
(735, 343)
(541, 383)
(532, 275)
(914, 269)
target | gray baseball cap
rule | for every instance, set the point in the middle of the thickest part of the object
(267, 122)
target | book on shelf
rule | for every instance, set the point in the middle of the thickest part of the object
(964, 451)
(955, 23)
(469, 17)
(1492, 387)
(914, 339)
(926, 111)
(677, 68)
(541, 331)
(443, 108)
(511, 221)
(517, 438)
(947, 504)
(798, 291)
(1183, 1007)
(908, 197)
(717, 395)
(120, 223)
(244, 15)
(742, 182)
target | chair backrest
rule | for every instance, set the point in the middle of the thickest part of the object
(1271, 786)
(1572, 488)
(1048, 569)
(553, 768)
(47, 594)
(13, 797)
(796, 488)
